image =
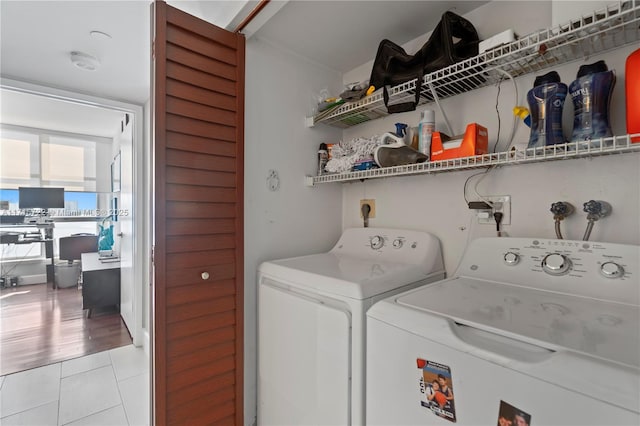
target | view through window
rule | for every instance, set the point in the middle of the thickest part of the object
(37, 159)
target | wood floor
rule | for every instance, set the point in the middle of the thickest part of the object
(40, 326)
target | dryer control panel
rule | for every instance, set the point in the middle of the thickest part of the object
(592, 269)
(392, 245)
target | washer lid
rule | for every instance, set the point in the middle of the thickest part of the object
(346, 276)
(602, 329)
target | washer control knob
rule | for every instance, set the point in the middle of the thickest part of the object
(377, 242)
(556, 264)
(511, 258)
(611, 270)
(397, 243)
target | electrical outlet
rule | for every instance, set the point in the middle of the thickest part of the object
(372, 204)
(501, 203)
(273, 180)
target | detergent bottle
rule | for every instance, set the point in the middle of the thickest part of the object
(591, 95)
(632, 90)
(546, 101)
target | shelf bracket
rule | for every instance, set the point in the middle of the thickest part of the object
(309, 121)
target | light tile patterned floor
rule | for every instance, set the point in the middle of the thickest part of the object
(109, 388)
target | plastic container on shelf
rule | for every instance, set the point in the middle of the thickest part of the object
(323, 157)
(632, 92)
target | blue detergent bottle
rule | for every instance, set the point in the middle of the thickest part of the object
(546, 101)
(591, 95)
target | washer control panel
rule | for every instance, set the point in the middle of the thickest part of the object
(612, 270)
(511, 258)
(556, 264)
(592, 269)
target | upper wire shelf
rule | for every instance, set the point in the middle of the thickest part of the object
(614, 26)
(581, 149)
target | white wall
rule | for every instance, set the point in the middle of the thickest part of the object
(295, 220)
(435, 203)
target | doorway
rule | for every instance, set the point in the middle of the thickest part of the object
(131, 203)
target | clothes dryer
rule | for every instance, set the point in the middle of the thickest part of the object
(311, 322)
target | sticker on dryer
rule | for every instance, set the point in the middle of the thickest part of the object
(436, 389)
(508, 415)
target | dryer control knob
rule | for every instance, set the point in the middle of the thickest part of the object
(377, 242)
(398, 243)
(511, 258)
(556, 264)
(611, 270)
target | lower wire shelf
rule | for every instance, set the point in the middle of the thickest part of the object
(594, 148)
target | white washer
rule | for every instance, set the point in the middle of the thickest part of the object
(311, 322)
(550, 328)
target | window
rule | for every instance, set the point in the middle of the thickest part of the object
(15, 158)
(18, 155)
(31, 158)
(68, 163)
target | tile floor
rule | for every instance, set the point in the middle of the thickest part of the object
(108, 388)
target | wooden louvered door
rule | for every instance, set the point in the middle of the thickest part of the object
(198, 184)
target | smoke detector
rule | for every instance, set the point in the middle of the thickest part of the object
(85, 61)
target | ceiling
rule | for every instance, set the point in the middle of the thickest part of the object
(37, 37)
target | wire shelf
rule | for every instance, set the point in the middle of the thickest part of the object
(612, 27)
(605, 146)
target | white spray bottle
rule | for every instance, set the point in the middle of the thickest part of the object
(425, 130)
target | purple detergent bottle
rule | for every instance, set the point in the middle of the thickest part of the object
(546, 101)
(591, 95)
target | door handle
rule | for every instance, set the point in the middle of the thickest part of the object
(120, 234)
(205, 276)
(501, 345)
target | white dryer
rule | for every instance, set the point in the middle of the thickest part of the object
(311, 322)
(527, 332)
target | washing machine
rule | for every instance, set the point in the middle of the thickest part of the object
(526, 332)
(311, 322)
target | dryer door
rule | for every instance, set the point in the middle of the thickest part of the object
(304, 358)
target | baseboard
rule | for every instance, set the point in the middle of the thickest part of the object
(32, 279)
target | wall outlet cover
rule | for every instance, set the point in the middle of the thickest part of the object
(502, 203)
(273, 181)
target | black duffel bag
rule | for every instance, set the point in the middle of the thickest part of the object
(453, 40)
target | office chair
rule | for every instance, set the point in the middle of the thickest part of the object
(67, 273)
